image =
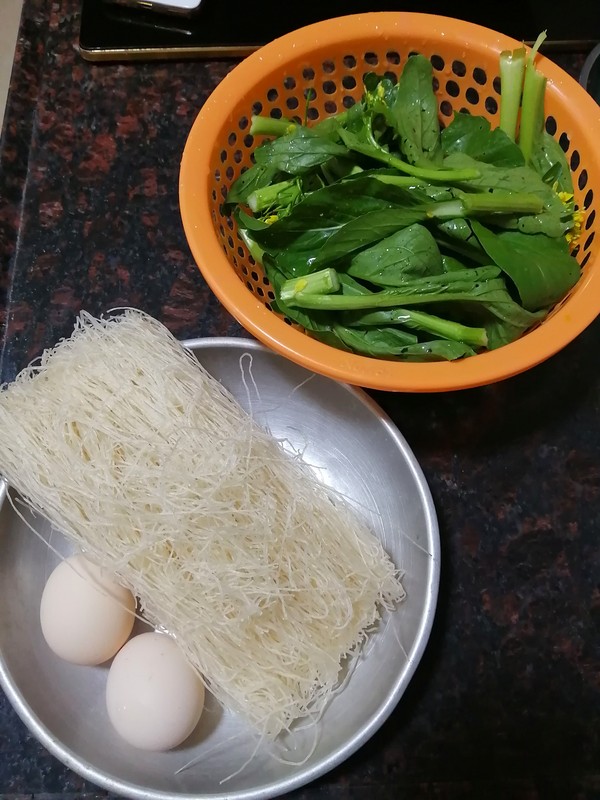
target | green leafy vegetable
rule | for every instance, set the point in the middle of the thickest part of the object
(298, 152)
(472, 284)
(384, 235)
(422, 321)
(387, 343)
(541, 268)
(416, 113)
(256, 177)
(408, 253)
(475, 137)
(548, 160)
(367, 146)
(553, 219)
(275, 197)
(378, 342)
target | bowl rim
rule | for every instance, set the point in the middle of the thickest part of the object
(567, 321)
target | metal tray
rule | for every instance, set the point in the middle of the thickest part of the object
(355, 448)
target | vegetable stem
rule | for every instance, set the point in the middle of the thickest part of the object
(512, 70)
(427, 174)
(385, 299)
(497, 202)
(532, 106)
(421, 320)
(282, 194)
(375, 151)
(267, 126)
(405, 181)
(458, 285)
(323, 282)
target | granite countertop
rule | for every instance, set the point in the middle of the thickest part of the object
(506, 702)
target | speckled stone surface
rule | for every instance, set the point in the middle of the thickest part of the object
(506, 703)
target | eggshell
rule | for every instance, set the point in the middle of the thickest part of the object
(85, 615)
(154, 698)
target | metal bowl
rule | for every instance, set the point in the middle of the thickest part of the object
(355, 448)
(590, 73)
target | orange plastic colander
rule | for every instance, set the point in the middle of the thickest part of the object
(330, 58)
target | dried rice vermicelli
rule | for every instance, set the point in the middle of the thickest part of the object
(266, 578)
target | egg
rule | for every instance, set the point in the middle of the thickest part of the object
(85, 615)
(154, 698)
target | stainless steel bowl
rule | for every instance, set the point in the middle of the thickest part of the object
(590, 73)
(355, 448)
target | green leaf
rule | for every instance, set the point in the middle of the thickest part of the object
(541, 268)
(389, 343)
(501, 306)
(298, 152)
(504, 319)
(363, 142)
(436, 350)
(554, 220)
(330, 338)
(364, 230)
(500, 333)
(335, 221)
(248, 222)
(379, 343)
(332, 206)
(408, 253)
(474, 136)
(451, 264)
(329, 127)
(255, 177)
(548, 155)
(416, 112)
(490, 307)
(351, 287)
(457, 236)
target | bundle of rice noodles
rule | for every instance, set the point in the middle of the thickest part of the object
(266, 579)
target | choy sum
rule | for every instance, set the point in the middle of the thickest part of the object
(386, 234)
